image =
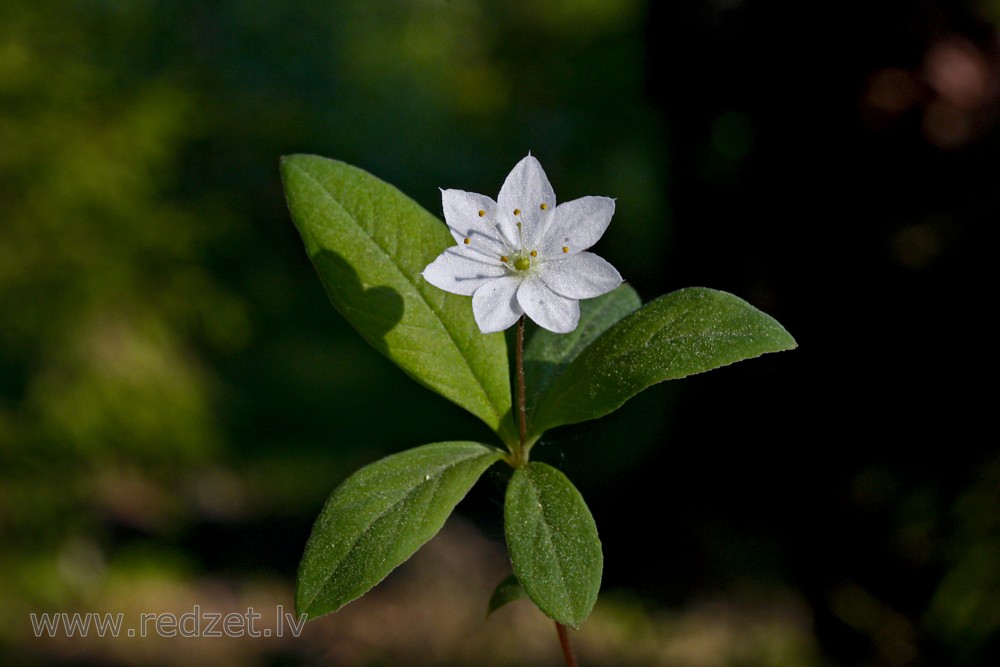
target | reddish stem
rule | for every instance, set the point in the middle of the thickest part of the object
(567, 648)
(522, 414)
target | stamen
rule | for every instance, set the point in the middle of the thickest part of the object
(565, 249)
(504, 258)
(468, 241)
(517, 211)
(534, 253)
(496, 227)
(543, 206)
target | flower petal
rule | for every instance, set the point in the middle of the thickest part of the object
(576, 225)
(460, 270)
(580, 276)
(546, 308)
(495, 306)
(526, 190)
(461, 214)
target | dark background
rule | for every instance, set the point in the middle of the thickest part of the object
(177, 397)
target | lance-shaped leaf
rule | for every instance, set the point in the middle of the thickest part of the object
(548, 354)
(682, 333)
(553, 543)
(380, 516)
(369, 243)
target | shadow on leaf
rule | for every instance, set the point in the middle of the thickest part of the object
(373, 311)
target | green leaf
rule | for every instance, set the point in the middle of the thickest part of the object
(369, 243)
(380, 516)
(553, 543)
(548, 354)
(682, 333)
(508, 590)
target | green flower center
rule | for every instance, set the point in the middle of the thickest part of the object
(522, 263)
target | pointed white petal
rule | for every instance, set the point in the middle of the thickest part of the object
(526, 189)
(495, 306)
(546, 308)
(461, 214)
(581, 276)
(576, 225)
(461, 271)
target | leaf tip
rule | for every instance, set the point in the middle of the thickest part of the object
(303, 608)
(788, 341)
(507, 591)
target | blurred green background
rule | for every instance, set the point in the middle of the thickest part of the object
(177, 397)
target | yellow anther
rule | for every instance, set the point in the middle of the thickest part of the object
(534, 253)
(504, 258)
(517, 211)
(467, 241)
(482, 213)
(565, 249)
(543, 206)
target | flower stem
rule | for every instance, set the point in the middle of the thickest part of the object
(521, 458)
(567, 648)
(522, 413)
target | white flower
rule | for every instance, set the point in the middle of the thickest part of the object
(522, 253)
